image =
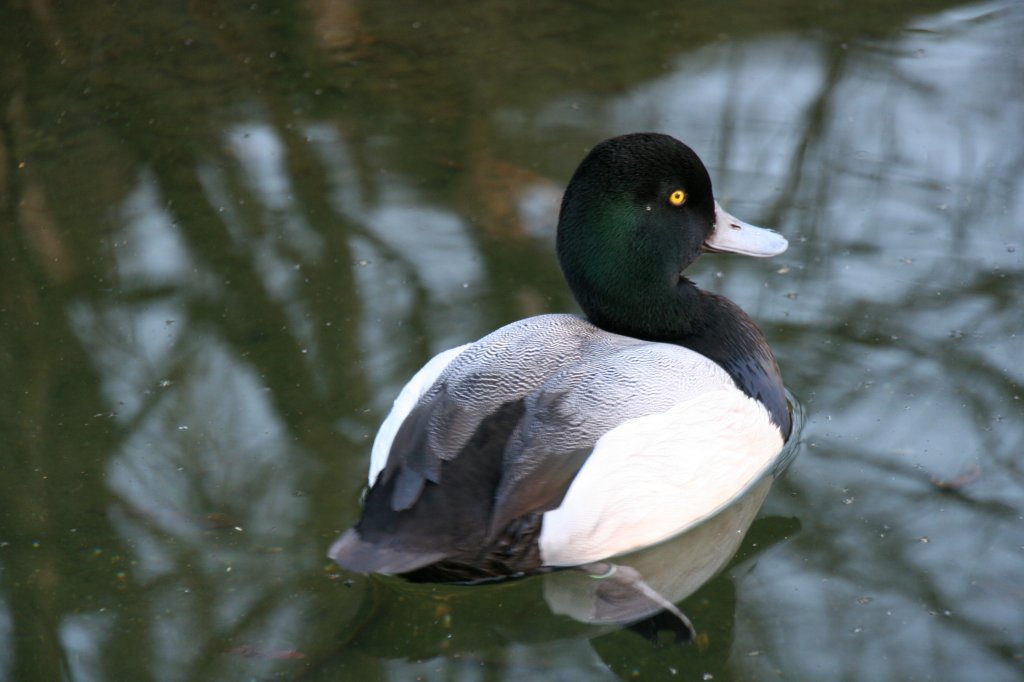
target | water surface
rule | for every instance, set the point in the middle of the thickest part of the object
(230, 233)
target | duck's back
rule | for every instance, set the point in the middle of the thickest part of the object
(494, 453)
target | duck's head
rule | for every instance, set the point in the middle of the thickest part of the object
(637, 212)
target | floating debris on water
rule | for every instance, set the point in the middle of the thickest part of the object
(957, 482)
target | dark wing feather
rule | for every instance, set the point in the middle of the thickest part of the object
(413, 461)
(540, 490)
(444, 521)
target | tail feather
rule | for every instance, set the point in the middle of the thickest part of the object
(355, 554)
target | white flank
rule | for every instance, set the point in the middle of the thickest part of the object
(653, 477)
(406, 400)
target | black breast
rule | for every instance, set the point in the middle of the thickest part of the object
(730, 338)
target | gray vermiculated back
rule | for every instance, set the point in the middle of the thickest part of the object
(578, 383)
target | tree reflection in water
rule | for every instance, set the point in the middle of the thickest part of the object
(230, 233)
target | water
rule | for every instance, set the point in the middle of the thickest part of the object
(230, 234)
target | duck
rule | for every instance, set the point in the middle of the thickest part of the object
(562, 440)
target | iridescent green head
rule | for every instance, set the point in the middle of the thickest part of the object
(637, 212)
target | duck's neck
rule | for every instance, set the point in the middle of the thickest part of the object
(719, 330)
(727, 335)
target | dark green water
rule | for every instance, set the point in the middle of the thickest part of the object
(229, 232)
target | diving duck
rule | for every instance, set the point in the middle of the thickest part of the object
(563, 440)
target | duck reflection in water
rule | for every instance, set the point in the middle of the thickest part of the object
(649, 594)
(641, 589)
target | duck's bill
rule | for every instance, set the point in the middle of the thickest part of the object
(732, 235)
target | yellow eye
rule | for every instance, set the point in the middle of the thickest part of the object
(677, 198)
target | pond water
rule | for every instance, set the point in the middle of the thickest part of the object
(230, 232)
